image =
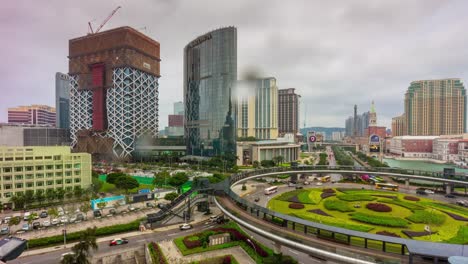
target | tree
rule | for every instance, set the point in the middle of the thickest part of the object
(178, 179)
(278, 160)
(14, 221)
(31, 218)
(126, 182)
(267, 163)
(39, 196)
(97, 184)
(69, 194)
(68, 259)
(78, 192)
(85, 207)
(82, 248)
(50, 195)
(53, 212)
(18, 200)
(60, 193)
(256, 164)
(160, 178)
(29, 196)
(170, 196)
(112, 177)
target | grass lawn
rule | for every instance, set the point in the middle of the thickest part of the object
(110, 188)
(405, 214)
(461, 237)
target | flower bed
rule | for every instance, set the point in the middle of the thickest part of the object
(386, 233)
(156, 254)
(380, 220)
(412, 234)
(410, 206)
(192, 241)
(456, 217)
(378, 207)
(326, 195)
(296, 206)
(294, 199)
(425, 217)
(337, 205)
(385, 196)
(236, 235)
(328, 190)
(355, 197)
(411, 198)
(319, 212)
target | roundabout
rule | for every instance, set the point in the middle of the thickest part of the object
(377, 212)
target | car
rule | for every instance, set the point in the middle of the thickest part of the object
(450, 195)
(213, 218)
(421, 192)
(257, 199)
(151, 205)
(36, 225)
(25, 227)
(131, 208)
(429, 191)
(80, 217)
(5, 230)
(299, 187)
(7, 219)
(319, 184)
(55, 221)
(46, 223)
(118, 241)
(26, 216)
(185, 226)
(63, 219)
(73, 219)
(97, 213)
(306, 183)
(112, 211)
(43, 214)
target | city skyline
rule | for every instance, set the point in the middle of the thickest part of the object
(320, 64)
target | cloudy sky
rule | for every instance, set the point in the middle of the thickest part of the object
(335, 53)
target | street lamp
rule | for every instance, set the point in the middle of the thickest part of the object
(250, 241)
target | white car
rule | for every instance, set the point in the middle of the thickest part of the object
(72, 219)
(46, 223)
(185, 227)
(55, 221)
(429, 191)
(64, 220)
(7, 219)
(319, 184)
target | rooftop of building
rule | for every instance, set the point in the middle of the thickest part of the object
(34, 106)
(444, 79)
(416, 137)
(207, 35)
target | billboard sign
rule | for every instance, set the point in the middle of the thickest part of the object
(374, 139)
(374, 148)
(312, 139)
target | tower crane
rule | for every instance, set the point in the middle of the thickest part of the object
(103, 23)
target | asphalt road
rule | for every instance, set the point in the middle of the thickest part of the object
(105, 249)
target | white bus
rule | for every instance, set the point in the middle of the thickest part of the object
(270, 190)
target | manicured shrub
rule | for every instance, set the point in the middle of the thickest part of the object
(319, 212)
(456, 217)
(328, 190)
(296, 206)
(461, 237)
(326, 195)
(192, 241)
(425, 217)
(337, 205)
(237, 235)
(411, 198)
(156, 254)
(411, 206)
(227, 259)
(355, 197)
(380, 220)
(412, 234)
(378, 207)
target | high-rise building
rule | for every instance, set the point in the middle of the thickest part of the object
(32, 114)
(398, 126)
(356, 126)
(176, 120)
(62, 100)
(288, 111)
(435, 107)
(210, 72)
(178, 108)
(37, 169)
(257, 108)
(114, 91)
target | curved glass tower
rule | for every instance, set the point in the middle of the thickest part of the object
(210, 72)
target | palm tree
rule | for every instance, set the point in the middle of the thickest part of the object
(87, 242)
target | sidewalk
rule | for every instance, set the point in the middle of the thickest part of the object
(173, 254)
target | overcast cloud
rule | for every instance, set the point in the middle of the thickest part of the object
(335, 53)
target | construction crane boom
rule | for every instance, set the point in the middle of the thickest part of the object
(103, 23)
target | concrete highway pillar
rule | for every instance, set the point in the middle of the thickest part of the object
(277, 248)
(407, 183)
(448, 190)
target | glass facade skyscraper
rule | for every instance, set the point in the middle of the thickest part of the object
(62, 100)
(210, 72)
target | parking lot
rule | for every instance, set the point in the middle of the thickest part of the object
(51, 225)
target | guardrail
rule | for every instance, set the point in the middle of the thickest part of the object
(407, 246)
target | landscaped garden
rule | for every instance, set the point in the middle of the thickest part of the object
(199, 242)
(379, 212)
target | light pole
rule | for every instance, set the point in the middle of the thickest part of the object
(253, 245)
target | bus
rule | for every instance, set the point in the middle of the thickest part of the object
(386, 186)
(326, 178)
(271, 190)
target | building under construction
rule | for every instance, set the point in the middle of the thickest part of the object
(114, 91)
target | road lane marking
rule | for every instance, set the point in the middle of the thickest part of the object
(173, 234)
(141, 240)
(294, 252)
